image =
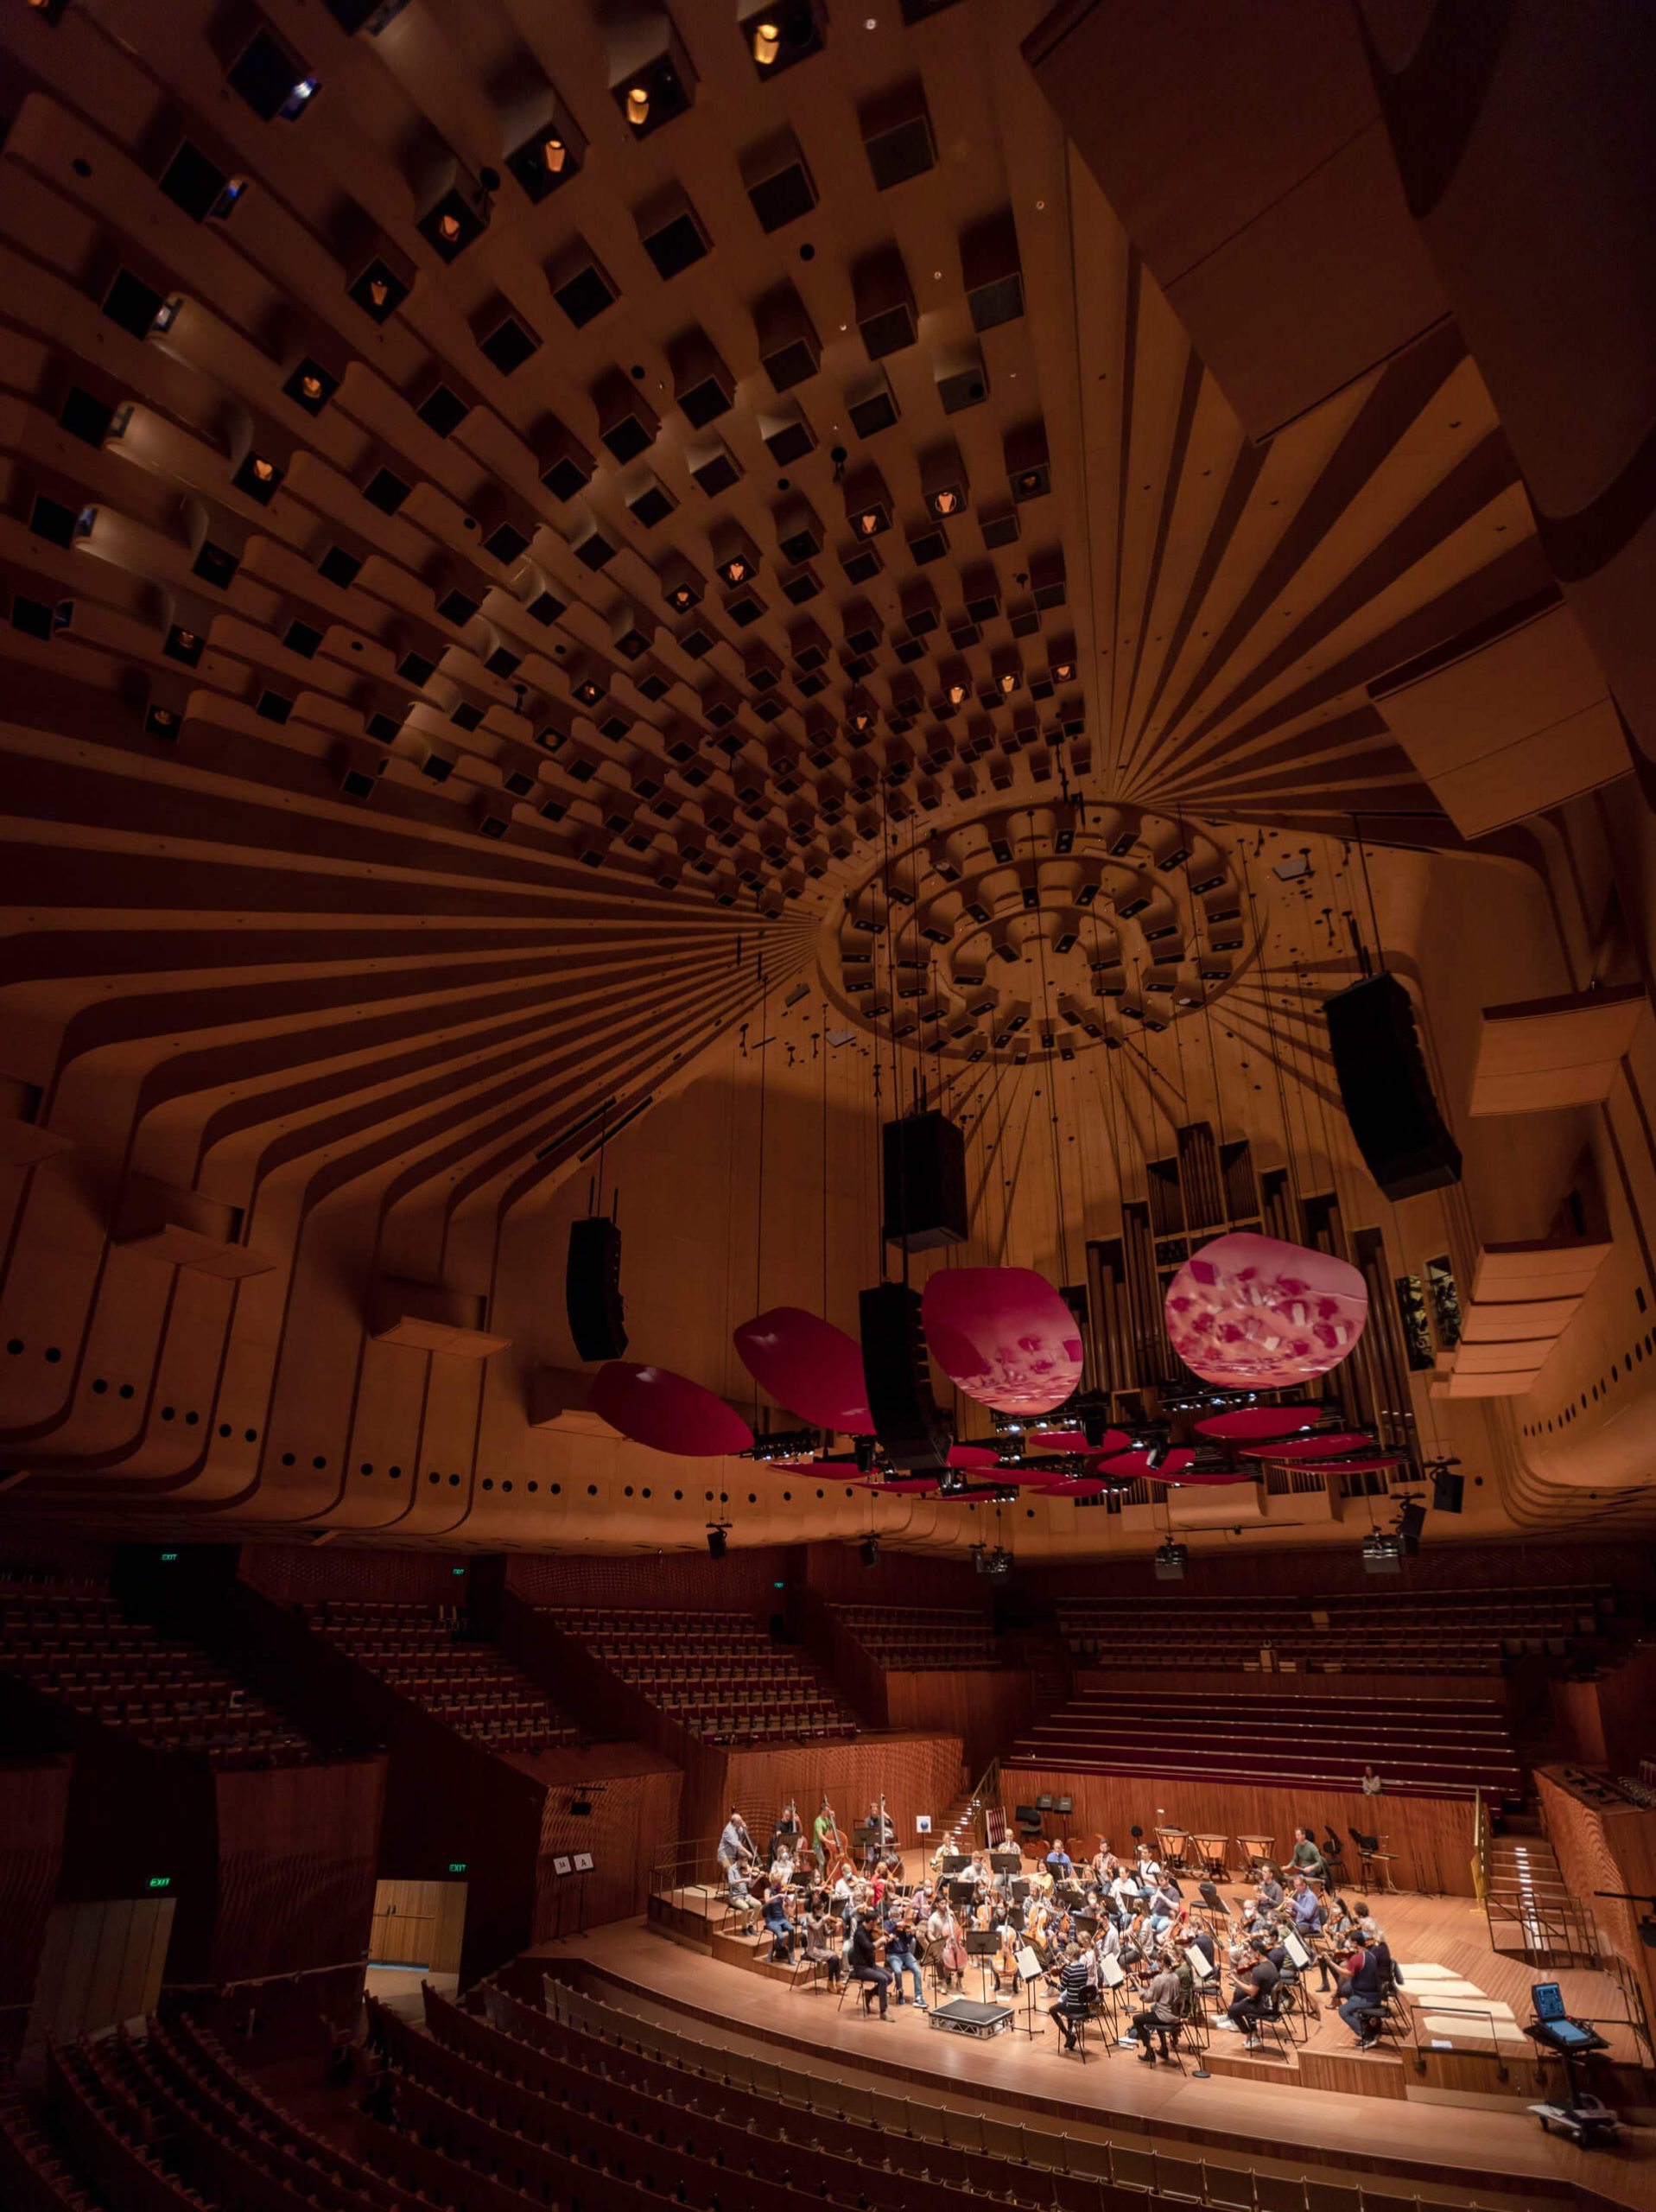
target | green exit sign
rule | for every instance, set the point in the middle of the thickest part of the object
(457, 1865)
(160, 1881)
(167, 1558)
(457, 1570)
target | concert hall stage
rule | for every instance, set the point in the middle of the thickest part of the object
(1330, 2108)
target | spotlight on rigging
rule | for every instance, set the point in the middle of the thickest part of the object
(716, 1540)
(1411, 1518)
(870, 1550)
(1170, 1562)
(1382, 1555)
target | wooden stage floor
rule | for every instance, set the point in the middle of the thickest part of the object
(1252, 2112)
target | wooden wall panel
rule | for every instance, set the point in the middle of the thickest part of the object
(836, 1573)
(1310, 1572)
(1432, 1836)
(743, 1581)
(985, 1707)
(104, 1960)
(918, 1774)
(301, 1574)
(1390, 1689)
(636, 1797)
(34, 1805)
(1605, 1847)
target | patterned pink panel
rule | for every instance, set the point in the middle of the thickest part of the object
(668, 1412)
(1248, 1424)
(973, 1455)
(1255, 1314)
(1004, 1336)
(1134, 1466)
(808, 1365)
(1328, 1445)
(1074, 1439)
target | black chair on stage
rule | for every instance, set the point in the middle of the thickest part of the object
(1334, 1857)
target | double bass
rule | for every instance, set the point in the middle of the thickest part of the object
(831, 1846)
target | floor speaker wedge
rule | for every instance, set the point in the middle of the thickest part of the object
(912, 1429)
(592, 1288)
(1386, 1090)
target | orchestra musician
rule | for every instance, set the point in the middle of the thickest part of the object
(784, 1836)
(901, 1956)
(734, 1841)
(1074, 1984)
(823, 1937)
(883, 1832)
(825, 1836)
(943, 1946)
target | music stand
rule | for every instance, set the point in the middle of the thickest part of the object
(980, 1944)
(1029, 1971)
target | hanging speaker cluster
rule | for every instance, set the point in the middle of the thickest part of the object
(1386, 1090)
(592, 1288)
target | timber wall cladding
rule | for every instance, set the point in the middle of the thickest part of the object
(918, 1774)
(298, 1851)
(34, 1804)
(1606, 1848)
(1432, 1836)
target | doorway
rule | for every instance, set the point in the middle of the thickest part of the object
(417, 1931)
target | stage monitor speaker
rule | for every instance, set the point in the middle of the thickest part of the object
(592, 1289)
(1448, 1490)
(1409, 1522)
(923, 1161)
(912, 1429)
(1386, 1090)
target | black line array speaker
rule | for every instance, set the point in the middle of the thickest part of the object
(923, 1157)
(912, 1428)
(1386, 1090)
(592, 1288)
(1448, 1490)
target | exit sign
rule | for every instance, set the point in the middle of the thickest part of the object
(457, 1570)
(167, 1558)
(160, 1882)
(457, 1865)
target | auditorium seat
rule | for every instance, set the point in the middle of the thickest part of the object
(1419, 1746)
(1430, 1632)
(719, 1675)
(922, 1635)
(84, 1656)
(427, 1655)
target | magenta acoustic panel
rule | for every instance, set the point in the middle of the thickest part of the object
(1003, 1336)
(1248, 1424)
(808, 1365)
(1328, 1445)
(1255, 1313)
(668, 1412)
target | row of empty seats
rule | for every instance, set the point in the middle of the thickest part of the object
(1426, 1747)
(718, 1674)
(1446, 1631)
(922, 1635)
(424, 1654)
(85, 1655)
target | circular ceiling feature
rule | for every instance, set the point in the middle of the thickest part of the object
(1003, 1336)
(1025, 931)
(1251, 1312)
(808, 1365)
(669, 1413)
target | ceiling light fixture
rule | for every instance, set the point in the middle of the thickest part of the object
(767, 41)
(637, 107)
(554, 155)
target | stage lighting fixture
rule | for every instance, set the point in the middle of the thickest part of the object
(581, 1805)
(716, 1542)
(1411, 1517)
(1382, 1555)
(870, 1549)
(1170, 1562)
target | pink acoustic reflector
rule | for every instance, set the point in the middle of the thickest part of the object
(1257, 1314)
(668, 1412)
(1248, 1424)
(973, 1455)
(1134, 1466)
(1074, 1439)
(1328, 1445)
(1204, 1478)
(808, 1365)
(1004, 1336)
